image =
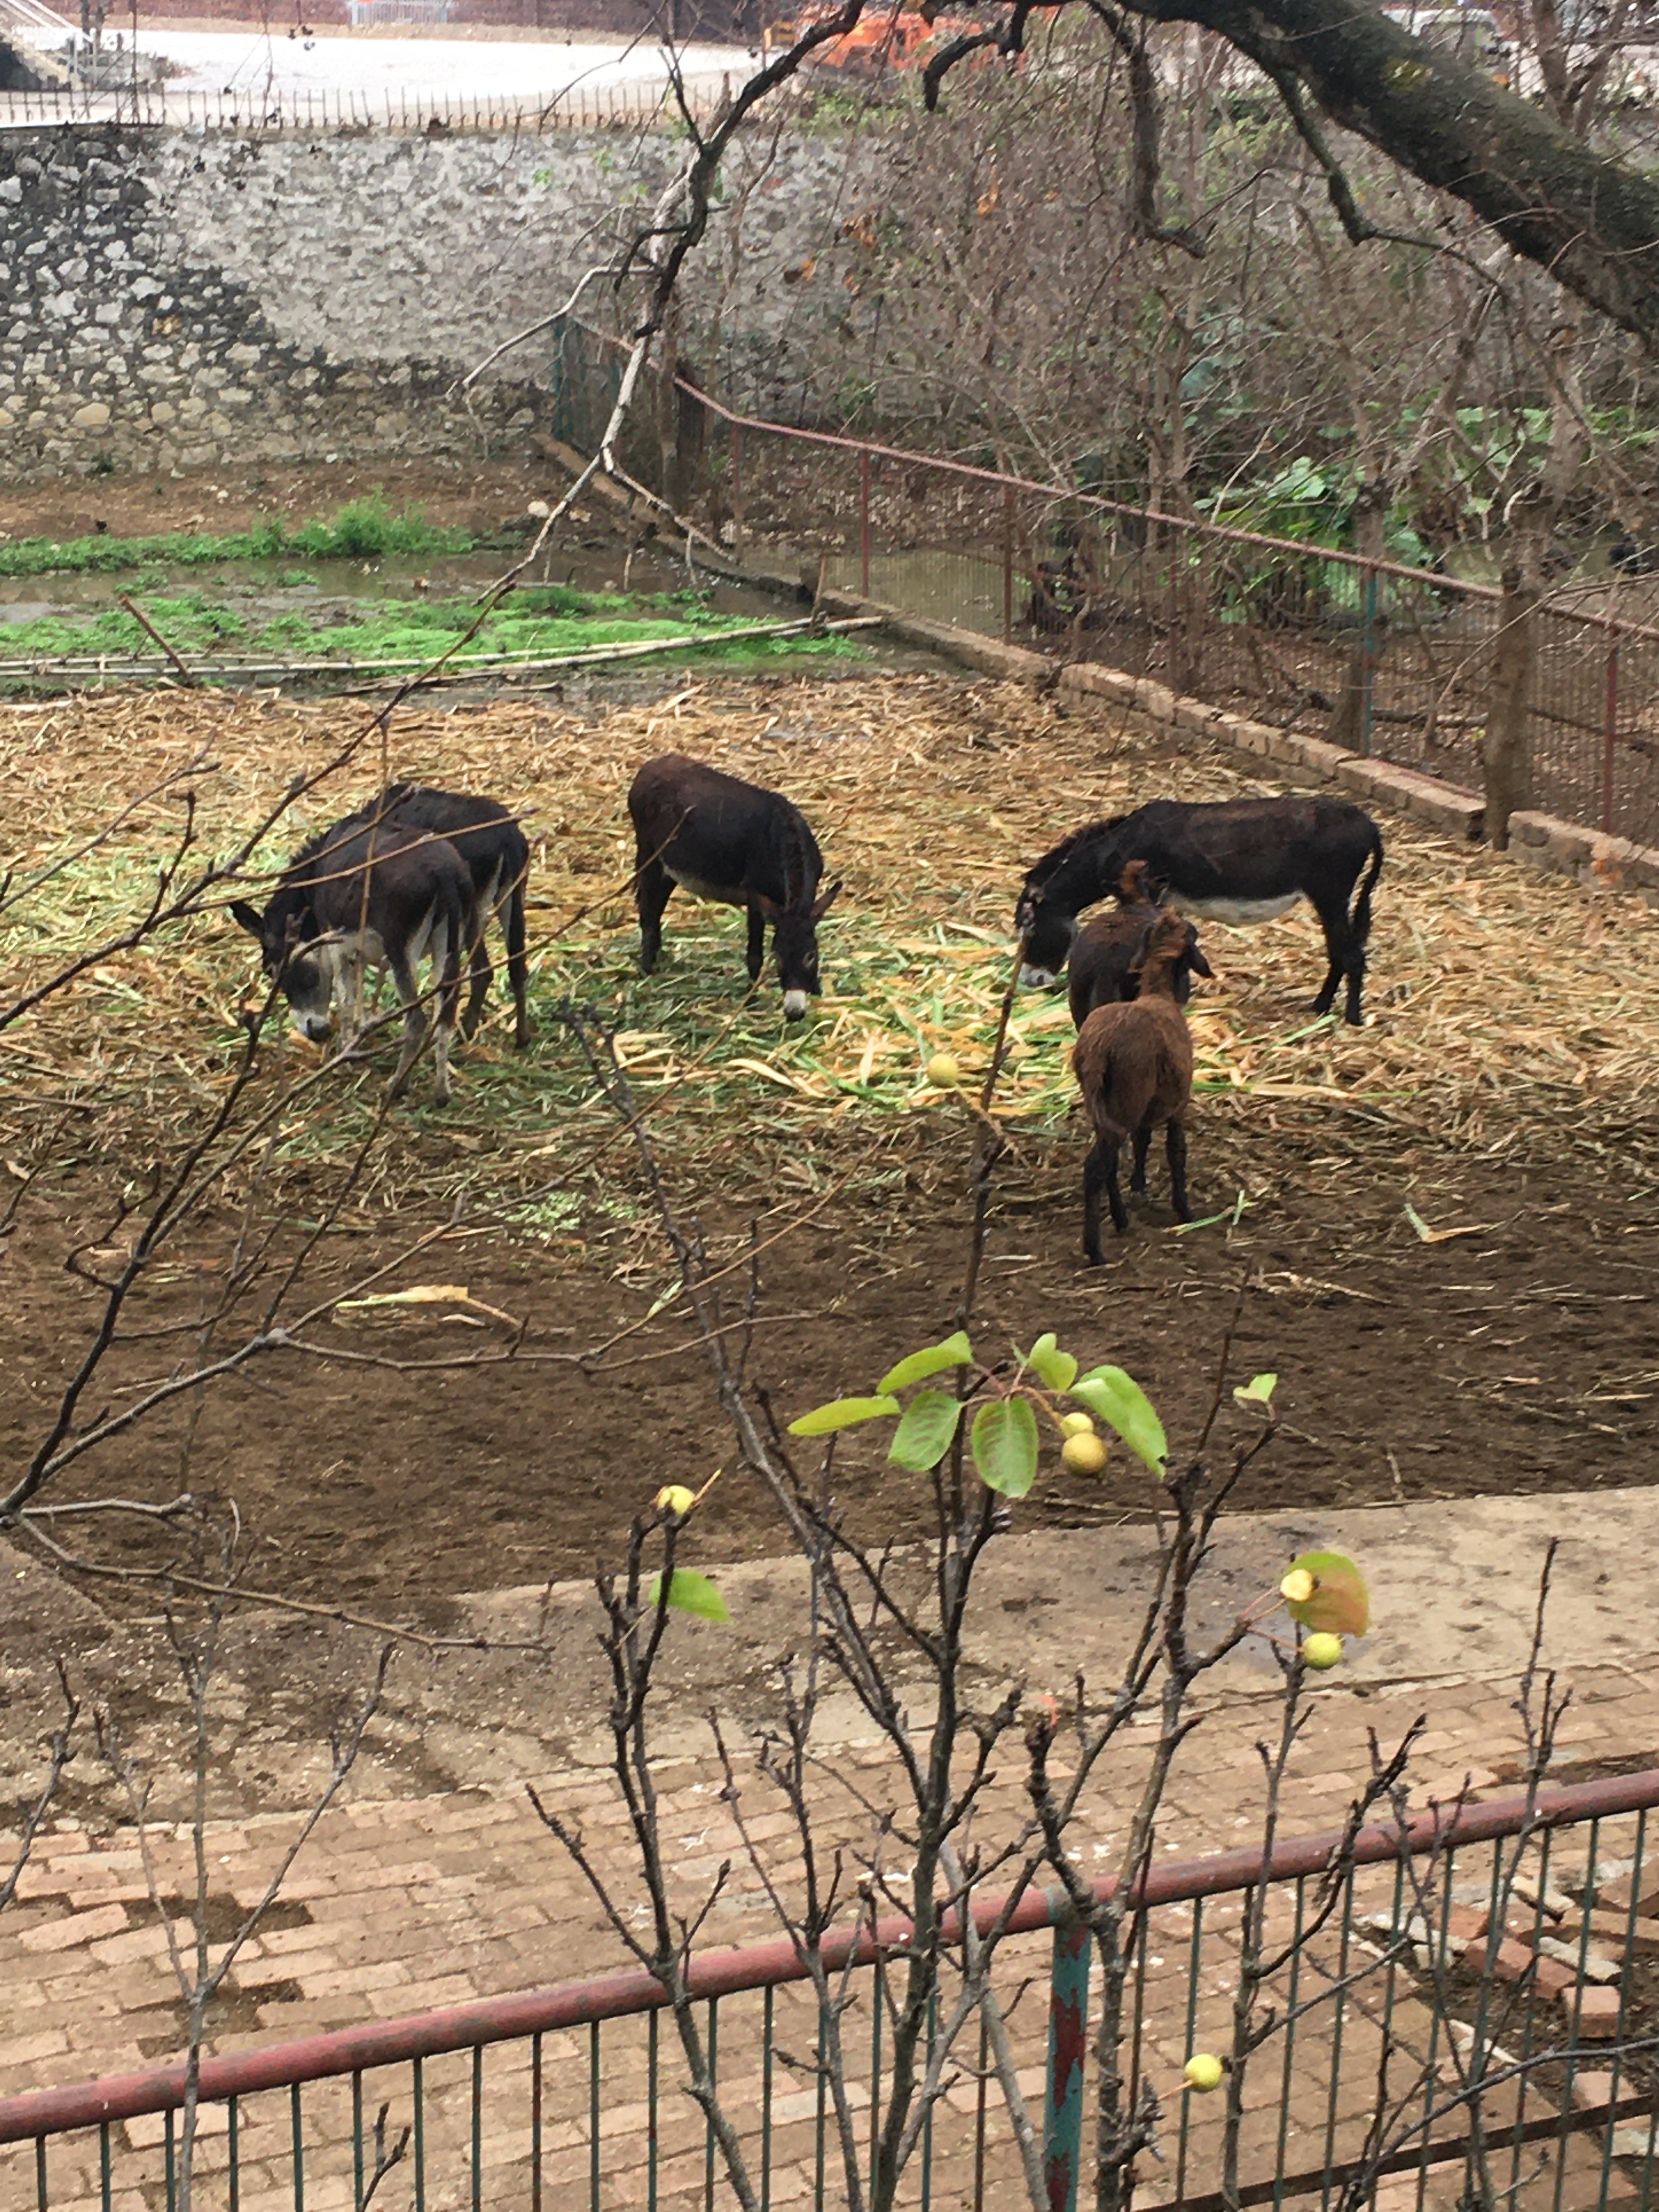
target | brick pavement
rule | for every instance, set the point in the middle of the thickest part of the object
(401, 1905)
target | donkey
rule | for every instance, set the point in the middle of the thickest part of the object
(733, 842)
(358, 896)
(497, 856)
(1237, 860)
(1105, 951)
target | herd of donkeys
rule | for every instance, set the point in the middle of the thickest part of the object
(417, 875)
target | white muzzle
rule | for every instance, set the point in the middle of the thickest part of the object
(795, 1005)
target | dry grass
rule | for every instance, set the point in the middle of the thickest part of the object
(1512, 1017)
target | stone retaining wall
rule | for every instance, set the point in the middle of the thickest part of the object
(178, 300)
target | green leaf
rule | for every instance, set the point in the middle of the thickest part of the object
(692, 1592)
(1054, 1369)
(1340, 1602)
(1258, 1391)
(1005, 1440)
(955, 1352)
(841, 1413)
(1121, 1402)
(924, 1435)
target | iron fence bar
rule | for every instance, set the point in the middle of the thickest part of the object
(536, 2100)
(417, 2092)
(477, 2127)
(877, 1996)
(42, 2196)
(1339, 2010)
(1610, 737)
(594, 2116)
(236, 2141)
(927, 2117)
(709, 2117)
(1068, 2014)
(767, 2018)
(357, 2140)
(818, 2131)
(1194, 1949)
(981, 2093)
(1285, 2077)
(299, 2148)
(170, 2166)
(105, 2179)
(652, 2061)
(1527, 2034)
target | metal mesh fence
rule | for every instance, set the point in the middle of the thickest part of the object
(1387, 660)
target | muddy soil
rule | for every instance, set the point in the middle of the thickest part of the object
(461, 490)
(1524, 1358)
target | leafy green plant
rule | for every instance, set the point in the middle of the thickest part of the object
(1002, 1406)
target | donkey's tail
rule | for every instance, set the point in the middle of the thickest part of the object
(1360, 921)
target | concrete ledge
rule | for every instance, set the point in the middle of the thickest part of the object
(1552, 847)
(1459, 814)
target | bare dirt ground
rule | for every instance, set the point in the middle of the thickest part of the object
(467, 492)
(1504, 1342)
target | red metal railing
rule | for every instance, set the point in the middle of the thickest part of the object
(1278, 628)
(40, 2117)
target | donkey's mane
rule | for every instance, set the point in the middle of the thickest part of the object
(349, 825)
(1039, 874)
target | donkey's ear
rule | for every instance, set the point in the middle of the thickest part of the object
(247, 917)
(821, 906)
(1195, 959)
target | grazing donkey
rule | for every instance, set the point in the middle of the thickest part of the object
(1105, 950)
(1237, 860)
(731, 841)
(358, 896)
(1135, 1066)
(497, 856)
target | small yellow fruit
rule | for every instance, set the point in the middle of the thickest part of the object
(1078, 1425)
(676, 1498)
(1084, 1454)
(1322, 1651)
(1297, 1587)
(943, 1071)
(1205, 2070)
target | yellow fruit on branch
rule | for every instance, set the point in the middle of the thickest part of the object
(1083, 1453)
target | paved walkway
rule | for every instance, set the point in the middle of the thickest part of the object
(400, 1904)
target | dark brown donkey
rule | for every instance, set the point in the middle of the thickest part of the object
(1134, 1066)
(739, 845)
(357, 898)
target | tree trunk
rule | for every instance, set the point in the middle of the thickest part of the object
(1507, 753)
(1593, 223)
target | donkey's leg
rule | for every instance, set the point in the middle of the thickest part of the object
(477, 929)
(446, 982)
(510, 914)
(755, 956)
(653, 888)
(1100, 1172)
(1175, 1141)
(1143, 1138)
(409, 997)
(1334, 918)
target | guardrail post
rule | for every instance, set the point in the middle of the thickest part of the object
(1068, 2015)
(1367, 656)
(1609, 735)
(1007, 563)
(864, 521)
(736, 491)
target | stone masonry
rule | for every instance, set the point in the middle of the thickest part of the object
(179, 298)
